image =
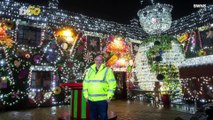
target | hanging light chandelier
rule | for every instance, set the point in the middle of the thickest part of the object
(156, 18)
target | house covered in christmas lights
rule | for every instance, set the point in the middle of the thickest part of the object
(42, 47)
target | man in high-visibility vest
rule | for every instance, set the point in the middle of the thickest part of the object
(98, 88)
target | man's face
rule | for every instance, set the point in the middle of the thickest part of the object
(98, 61)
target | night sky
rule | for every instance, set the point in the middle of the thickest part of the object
(121, 11)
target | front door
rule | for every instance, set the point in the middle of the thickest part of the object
(121, 90)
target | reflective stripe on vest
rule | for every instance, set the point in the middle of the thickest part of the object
(105, 74)
(97, 95)
(104, 79)
(95, 81)
(111, 91)
(89, 72)
(111, 80)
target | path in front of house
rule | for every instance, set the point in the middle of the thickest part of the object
(125, 110)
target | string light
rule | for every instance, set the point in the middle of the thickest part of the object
(145, 76)
(194, 20)
(201, 94)
(89, 26)
(156, 18)
(197, 61)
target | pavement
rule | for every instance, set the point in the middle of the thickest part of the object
(123, 109)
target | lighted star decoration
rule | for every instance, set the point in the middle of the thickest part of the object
(88, 57)
(209, 34)
(93, 43)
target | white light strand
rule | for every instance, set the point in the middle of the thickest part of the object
(197, 61)
(155, 19)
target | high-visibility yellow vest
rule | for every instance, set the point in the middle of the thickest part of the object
(99, 85)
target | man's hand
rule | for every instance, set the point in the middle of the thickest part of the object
(108, 100)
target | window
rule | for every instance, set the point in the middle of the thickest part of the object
(41, 79)
(93, 43)
(28, 35)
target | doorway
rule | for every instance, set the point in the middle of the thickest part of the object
(121, 89)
